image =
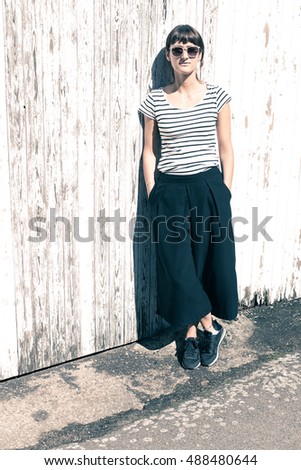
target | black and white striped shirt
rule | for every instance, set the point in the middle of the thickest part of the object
(188, 136)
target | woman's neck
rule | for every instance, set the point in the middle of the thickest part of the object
(186, 84)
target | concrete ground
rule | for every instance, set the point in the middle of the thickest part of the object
(138, 396)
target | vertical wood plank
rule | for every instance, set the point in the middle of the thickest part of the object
(102, 143)
(86, 173)
(116, 319)
(68, 84)
(37, 191)
(8, 331)
(129, 156)
(49, 13)
(17, 39)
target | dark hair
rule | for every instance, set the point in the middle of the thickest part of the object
(185, 33)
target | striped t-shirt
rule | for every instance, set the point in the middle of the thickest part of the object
(188, 136)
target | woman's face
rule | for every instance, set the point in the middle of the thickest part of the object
(184, 58)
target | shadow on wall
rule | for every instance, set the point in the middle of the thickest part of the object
(162, 73)
(148, 322)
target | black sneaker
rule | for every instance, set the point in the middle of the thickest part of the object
(191, 355)
(210, 349)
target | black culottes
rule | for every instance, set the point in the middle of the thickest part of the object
(192, 231)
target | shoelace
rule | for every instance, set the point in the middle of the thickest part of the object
(191, 348)
(209, 343)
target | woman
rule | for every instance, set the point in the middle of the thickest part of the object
(189, 198)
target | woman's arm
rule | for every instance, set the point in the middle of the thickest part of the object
(149, 157)
(225, 144)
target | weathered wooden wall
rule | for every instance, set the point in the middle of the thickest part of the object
(253, 51)
(72, 76)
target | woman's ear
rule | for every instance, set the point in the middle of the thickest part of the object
(167, 55)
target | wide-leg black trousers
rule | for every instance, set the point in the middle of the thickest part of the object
(192, 231)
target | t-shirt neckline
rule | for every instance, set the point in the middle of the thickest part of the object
(188, 107)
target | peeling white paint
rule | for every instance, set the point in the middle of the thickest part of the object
(254, 50)
(75, 76)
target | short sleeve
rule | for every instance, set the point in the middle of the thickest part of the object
(222, 98)
(147, 107)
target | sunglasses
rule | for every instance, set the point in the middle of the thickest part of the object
(192, 51)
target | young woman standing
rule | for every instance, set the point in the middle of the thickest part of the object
(189, 197)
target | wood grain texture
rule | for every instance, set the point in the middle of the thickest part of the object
(71, 140)
(86, 173)
(102, 143)
(8, 330)
(259, 64)
(17, 60)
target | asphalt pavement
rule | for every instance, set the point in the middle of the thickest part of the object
(139, 397)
